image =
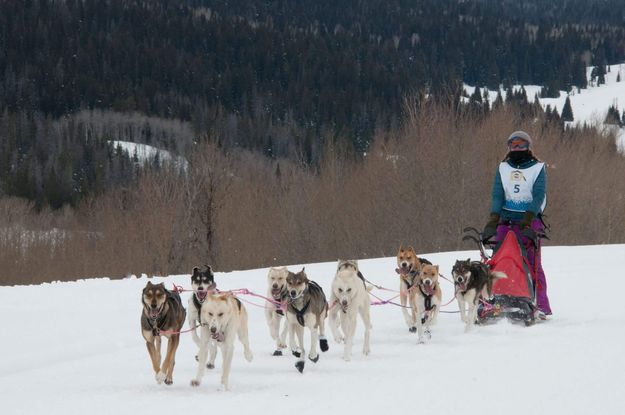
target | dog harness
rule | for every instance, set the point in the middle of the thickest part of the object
(412, 275)
(428, 303)
(198, 306)
(156, 323)
(278, 303)
(300, 313)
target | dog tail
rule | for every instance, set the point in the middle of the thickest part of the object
(496, 275)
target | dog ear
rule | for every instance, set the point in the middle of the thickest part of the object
(208, 268)
(410, 248)
(196, 271)
(468, 259)
(437, 269)
(401, 247)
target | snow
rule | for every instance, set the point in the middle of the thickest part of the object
(76, 347)
(589, 105)
(146, 152)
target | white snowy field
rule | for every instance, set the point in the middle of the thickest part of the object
(76, 348)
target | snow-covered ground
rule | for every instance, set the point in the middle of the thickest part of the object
(146, 152)
(76, 348)
(589, 105)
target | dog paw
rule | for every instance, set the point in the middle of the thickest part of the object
(421, 340)
(296, 353)
(412, 329)
(347, 358)
(160, 377)
(339, 339)
(195, 383)
(248, 356)
(313, 359)
(210, 366)
(169, 381)
(223, 388)
(282, 345)
(277, 352)
(323, 345)
(366, 351)
(299, 365)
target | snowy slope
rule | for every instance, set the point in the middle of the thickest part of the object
(76, 348)
(589, 105)
(146, 152)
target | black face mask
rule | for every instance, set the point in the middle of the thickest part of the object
(518, 157)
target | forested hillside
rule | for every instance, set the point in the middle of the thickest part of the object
(274, 76)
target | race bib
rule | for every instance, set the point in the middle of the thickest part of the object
(518, 185)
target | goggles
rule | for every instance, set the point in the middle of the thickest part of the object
(518, 143)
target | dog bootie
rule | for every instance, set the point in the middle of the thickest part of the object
(296, 353)
(278, 352)
(323, 344)
(299, 365)
(314, 359)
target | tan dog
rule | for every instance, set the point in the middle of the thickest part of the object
(427, 300)
(223, 318)
(162, 315)
(408, 267)
(276, 290)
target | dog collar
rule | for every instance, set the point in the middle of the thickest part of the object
(300, 295)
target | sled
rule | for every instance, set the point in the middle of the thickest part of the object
(513, 297)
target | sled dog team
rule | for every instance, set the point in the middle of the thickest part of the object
(299, 304)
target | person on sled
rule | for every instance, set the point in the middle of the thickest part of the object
(518, 200)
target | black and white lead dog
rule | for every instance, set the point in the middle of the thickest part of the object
(472, 280)
(203, 283)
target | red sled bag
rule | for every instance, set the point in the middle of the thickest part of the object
(514, 296)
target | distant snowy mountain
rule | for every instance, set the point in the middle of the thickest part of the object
(590, 105)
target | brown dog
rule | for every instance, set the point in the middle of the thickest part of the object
(163, 315)
(427, 300)
(408, 267)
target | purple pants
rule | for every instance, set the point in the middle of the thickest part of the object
(534, 259)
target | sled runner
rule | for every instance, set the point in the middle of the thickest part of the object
(514, 296)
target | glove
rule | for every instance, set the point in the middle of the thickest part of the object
(491, 227)
(531, 235)
(526, 222)
(526, 228)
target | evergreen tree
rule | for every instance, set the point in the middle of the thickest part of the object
(567, 111)
(613, 116)
(498, 103)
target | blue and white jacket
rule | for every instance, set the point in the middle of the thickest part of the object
(518, 189)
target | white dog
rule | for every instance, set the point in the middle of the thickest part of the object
(349, 298)
(276, 290)
(223, 318)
